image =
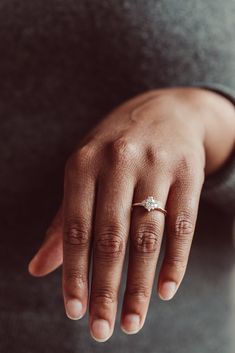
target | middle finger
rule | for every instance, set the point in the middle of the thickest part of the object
(112, 218)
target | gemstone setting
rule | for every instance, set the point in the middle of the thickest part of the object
(150, 203)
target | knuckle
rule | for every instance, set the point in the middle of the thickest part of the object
(176, 263)
(74, 279)
(80, 159)
(122, 151)
(76, 232)
(104, 296)
(157, 156)
(86, 153)
(110, 242)
(190, 169)
(183, 225)
(147, 237)
(186, 165)
(140, 293)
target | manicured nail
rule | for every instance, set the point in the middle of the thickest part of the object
(167, 290)
(131, 324)
(74, 309)
(100, 330)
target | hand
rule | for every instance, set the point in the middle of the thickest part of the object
(160, 143)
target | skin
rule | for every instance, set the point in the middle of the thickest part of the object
(161, 143)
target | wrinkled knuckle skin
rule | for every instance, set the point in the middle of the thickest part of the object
(186, 166)
(177, 264)
(104, 296)
(110, 243)
(74, 280)
(122, 151)
(147, 238)
(76, 233)
(139, 293)
(183, 226)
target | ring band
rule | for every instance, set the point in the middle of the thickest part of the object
(150, 204)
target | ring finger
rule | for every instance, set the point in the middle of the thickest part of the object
(145, 241)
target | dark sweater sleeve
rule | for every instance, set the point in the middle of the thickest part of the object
(219, 188)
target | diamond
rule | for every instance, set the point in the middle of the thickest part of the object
(150, 203)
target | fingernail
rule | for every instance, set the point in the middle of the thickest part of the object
(100, 330)
(131, 324)
(74, 309)
(167, 290)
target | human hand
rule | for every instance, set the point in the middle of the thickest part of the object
(160, 143)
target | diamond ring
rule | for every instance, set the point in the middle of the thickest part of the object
(150, 204)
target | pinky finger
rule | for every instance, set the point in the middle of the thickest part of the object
(50, 254)
(183, 201)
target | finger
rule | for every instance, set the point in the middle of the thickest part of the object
(79, 197)
(115, 193)
(182, 209)
(145, 242)
(50, 254)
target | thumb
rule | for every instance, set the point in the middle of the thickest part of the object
(50, 254)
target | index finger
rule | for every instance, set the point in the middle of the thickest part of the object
(79, 198)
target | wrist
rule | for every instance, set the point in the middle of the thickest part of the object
(213, 115)
(220, 130)
(217, 114)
